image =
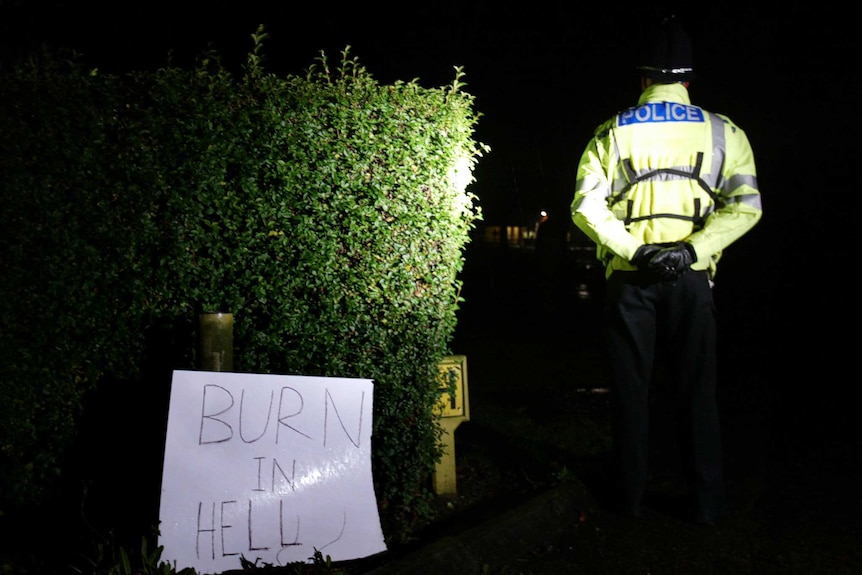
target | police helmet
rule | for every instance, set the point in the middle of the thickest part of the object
(668, 55)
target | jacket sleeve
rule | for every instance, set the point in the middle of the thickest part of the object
(738, 207)
(590, 210)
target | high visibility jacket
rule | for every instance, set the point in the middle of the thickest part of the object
(666, 171)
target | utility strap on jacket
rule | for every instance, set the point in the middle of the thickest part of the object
(634, 178)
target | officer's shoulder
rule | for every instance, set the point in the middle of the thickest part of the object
(605, 127)
(731, 125)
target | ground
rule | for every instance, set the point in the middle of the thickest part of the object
(539, 417)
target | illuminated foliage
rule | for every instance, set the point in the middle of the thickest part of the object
(328, 213)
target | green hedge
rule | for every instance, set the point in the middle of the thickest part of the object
(327, 212)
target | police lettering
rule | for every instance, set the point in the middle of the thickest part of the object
(660, 112)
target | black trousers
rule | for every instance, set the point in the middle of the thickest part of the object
(675, 322)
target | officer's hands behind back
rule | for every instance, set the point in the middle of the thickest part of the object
(670, 262)
(644, 254)
(665, 261)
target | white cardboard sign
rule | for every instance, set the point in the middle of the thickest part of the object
(269, 468)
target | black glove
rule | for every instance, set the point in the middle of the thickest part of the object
(671, 262)
(644, 254)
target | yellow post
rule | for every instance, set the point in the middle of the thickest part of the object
(216, 341)
(454, 408)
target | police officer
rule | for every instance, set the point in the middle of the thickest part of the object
(662, 189)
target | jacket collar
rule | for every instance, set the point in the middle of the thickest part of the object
(665, 93)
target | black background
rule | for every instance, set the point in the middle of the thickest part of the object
(544, 74)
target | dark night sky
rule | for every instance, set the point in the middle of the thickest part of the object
(544, 73)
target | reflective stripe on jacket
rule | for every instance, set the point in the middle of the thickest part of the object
(666, 171)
